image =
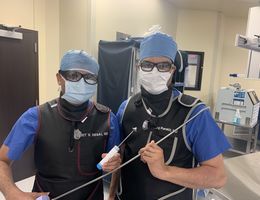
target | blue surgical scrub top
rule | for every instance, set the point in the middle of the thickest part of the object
(203, 135)
(24, 131)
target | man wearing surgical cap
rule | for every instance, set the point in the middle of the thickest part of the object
(188, 159)
(69, 134)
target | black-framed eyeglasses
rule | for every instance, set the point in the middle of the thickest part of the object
(75, 76)
(147, 66)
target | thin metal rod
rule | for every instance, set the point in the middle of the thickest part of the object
(132, 159)
(134, 130)
(96, 179)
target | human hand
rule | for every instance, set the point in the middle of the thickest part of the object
(112, 163)
(153, 155)
(20, 195)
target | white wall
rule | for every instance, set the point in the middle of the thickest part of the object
(235, 59)
(40, 25)
(133, 17)
(17, 12)
(52, 48)
(40, 16)
(253, 29)
(84, 22)
(80, 24)
(214, 34)
(73, 25)
(199, 31)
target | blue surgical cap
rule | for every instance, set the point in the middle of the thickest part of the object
(157, 45)
(79, 60)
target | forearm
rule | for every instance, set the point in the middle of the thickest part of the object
(115, 179)
(199, 177)
(7, 185)
(114, 184)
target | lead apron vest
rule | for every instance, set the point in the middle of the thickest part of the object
(59, 168)
(137, 181)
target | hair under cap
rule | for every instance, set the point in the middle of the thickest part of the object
(157, 45)
(79, 60)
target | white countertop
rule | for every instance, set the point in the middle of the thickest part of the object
(243, 177)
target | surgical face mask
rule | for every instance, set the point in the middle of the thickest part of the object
(78, 92)
(154, 82)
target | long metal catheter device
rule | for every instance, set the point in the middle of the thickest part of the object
(132, 159)
(114, 150)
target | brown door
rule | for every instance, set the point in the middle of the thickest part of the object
(18, 89)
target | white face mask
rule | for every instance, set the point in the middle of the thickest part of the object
(78, 92)
(154, 82)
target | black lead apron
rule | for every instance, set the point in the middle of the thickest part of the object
(137, 181)
(63, 162)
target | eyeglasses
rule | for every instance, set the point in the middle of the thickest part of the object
(147, 66)
(75, 76)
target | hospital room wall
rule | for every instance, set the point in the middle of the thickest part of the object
(84, 23)
(214, 34)
(235, 59)
(88, 22)
(81, 24)
(133, 17)
(61, 27)
(42, 16)
(208, 31)
(198, 31)
(74, 27)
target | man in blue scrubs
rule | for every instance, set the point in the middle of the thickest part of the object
(188, 159)
(70, 134)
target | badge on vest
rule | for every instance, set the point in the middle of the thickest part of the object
(78, 134)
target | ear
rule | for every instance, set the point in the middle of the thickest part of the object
(59, 79)
(173, 69)
(61, 82)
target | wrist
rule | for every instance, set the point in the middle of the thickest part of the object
(12, 192)
(111, 196)
(165, 174)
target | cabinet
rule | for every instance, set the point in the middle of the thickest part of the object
(246, 133)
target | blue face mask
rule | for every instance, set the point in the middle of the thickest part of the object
(78, 92)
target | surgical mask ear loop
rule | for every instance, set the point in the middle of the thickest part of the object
(132, 159)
